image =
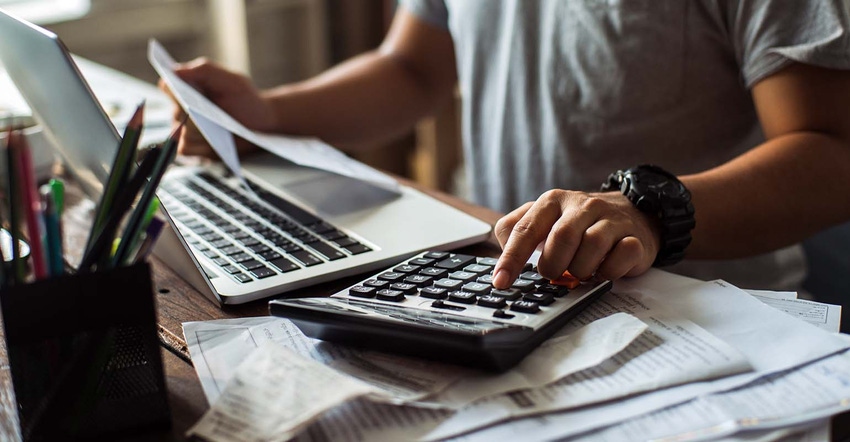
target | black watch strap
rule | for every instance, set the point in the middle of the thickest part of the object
(671, 207)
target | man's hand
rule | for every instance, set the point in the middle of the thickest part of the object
(232, 92)
(587, 234)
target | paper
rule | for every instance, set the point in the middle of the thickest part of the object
(218, 129)
(787, 399)
(273, 395)
(555, 359)
(688, 418)
(771, 340)
(217, 347)
(823, 316)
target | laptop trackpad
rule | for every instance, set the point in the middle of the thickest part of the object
(338, 195)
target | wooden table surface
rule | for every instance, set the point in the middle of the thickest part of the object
(177, 302)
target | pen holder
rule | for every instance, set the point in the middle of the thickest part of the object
(84, 355)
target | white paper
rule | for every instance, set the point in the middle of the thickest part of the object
(823, 316)
(273, 395)
(308, 152)
(771, 341)
(788, 399)
(217, 347)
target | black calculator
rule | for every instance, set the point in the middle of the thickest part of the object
(442, 306)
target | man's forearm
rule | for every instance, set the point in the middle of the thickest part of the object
(368, 98)
(774, 195)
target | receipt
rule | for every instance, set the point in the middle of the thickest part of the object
(273, 395)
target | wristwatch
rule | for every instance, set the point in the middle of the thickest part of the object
(659, 193)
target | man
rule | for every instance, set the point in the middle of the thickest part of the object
(746, 102)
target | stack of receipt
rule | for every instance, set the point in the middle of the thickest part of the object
(659, 357)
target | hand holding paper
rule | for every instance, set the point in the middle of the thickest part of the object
(218, 128)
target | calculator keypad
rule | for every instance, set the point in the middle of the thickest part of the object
(440, 281)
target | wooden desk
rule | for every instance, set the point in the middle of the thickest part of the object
(178, 302)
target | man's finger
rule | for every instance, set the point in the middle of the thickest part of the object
(526, 234)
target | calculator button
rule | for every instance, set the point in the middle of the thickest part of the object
(488, 261)
(509, 294)
(390, 295)
(447, 283)
(455, 262)
(477, 268)
(485, 279)
(406, 268)
(540, 298)
(419, 280)
(434, 293)
(403, 287)
(523, 285)
(567, 280)
(556, 290)
(478, 288)
(379, 283)
(434, 272)
(462, 297)
(492, 301)
(436, 255)
(533, 276)
(362, 291)
(525, 306)
(391, 276)
(502, 314)
(463, 276)
(421, 262)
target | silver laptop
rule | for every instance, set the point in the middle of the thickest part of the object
(308, 226)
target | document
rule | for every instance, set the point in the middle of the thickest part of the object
(273, 396)
(219, 128)
(823, 316)
(218, 347)
(563, 425)
(787, 399)
(771, 340)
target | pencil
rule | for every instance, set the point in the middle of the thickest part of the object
(133, 228)
(121, 167)
(102, 238)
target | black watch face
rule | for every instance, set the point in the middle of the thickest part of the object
(660, 185)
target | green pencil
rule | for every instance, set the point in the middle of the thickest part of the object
(121, 167)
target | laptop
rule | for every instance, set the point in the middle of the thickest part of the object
(298, 227)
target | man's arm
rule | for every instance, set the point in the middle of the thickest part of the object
(372, 97)
(790, 187)
(777, 194)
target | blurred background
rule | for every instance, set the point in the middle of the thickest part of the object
(274, 41)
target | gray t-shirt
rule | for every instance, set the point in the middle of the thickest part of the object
(560, 93)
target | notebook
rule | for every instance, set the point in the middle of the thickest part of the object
(300, 226)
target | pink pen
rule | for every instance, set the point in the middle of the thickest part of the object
(31, 203)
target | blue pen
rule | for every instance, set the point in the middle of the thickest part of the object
(53, 235)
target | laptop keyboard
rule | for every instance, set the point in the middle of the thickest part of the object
(248, 239)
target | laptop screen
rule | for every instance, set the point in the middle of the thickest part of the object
(61, 100)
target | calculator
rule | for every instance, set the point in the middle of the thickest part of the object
(442, 306)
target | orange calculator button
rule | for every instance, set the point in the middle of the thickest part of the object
(567, 280)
